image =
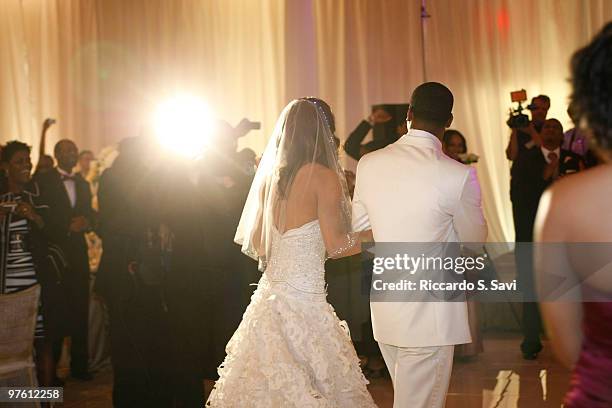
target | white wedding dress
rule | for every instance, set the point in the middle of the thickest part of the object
(290, 349)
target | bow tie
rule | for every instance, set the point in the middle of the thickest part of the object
(65, 177)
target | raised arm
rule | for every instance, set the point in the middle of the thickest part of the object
(352, 146)
(43, 136)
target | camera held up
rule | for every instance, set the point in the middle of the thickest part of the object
(517, 118)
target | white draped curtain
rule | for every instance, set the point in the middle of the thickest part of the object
(100, 66)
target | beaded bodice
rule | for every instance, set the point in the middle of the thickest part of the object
(297, 258)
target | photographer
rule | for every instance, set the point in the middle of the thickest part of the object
(129, 225)
(224, 179)
(523, 139)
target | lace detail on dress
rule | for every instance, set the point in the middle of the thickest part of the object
(351, 241)
(290, 349)
(298, 258)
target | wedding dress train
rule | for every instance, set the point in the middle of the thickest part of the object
(291, 350)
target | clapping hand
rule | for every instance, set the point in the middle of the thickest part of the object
(531, 131)
(26, 210)
(552, 167)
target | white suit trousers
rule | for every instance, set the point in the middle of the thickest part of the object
(420, 375)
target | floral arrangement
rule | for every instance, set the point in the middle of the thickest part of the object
(468, 158)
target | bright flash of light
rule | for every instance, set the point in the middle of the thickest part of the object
(183, 125)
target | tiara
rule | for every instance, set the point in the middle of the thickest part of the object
(316, 103)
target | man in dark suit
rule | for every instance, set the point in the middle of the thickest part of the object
(532, 173)
(69, 217)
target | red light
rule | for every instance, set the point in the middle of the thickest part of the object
(503, 21)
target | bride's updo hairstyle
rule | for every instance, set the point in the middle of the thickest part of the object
(591, 99)
(308, 126)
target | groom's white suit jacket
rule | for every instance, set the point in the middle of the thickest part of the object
(410, 191)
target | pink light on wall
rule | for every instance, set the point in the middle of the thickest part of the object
(503, 22)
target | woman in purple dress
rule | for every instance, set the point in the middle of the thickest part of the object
(574, 279)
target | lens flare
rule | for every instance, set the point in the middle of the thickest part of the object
(183, 124)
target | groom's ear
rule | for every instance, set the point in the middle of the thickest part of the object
(410, 114)
(450, 120)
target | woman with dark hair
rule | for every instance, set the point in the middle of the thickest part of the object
(454, 144)
(579, 325)
(290, 348)
(24, 248)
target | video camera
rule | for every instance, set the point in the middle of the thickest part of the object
(517, 118)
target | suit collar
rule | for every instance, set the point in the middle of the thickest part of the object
(65, 173)
(421, 138)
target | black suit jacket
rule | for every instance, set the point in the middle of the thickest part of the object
(528, 185)
(60, 213)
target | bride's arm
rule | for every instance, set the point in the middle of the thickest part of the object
(337, 235)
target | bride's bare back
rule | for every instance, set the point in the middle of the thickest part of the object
(315, 194)
(301, 202)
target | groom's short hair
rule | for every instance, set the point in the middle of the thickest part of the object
(432, 102)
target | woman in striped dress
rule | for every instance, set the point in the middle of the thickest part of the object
(21, 232)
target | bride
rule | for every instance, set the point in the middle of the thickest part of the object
(291, 350)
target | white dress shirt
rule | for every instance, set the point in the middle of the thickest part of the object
(546, 152)
(69, 185)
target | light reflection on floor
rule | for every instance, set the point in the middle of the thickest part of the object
(498, 378)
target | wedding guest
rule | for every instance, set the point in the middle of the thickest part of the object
(25, 260)
(194, 268)
(532, 173)
(224, 179)
(84, 163)
(454, 144)
(130, 280)
(576, 140)
(580, 332)
(69, 217)
(522, 140)
(354, 146)
(2, 174)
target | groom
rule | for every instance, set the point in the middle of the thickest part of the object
(411, 192)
